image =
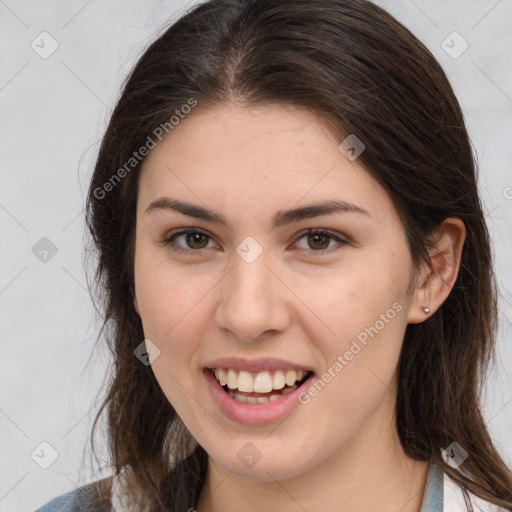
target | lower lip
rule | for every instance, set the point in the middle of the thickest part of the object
(254, 414)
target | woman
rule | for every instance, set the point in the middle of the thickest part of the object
(296, 272)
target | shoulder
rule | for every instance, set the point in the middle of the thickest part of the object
(63, 503)
(83, 499)
(454, 499)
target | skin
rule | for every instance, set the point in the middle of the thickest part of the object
(341, 450)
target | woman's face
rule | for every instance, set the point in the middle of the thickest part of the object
(255, 288)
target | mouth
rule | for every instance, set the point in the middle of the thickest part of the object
(258, 387)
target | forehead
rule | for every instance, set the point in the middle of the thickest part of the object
(237, 157)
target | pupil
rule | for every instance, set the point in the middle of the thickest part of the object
(320, 237)
(192, 238)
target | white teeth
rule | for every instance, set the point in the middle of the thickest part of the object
(263, 382)
(252, 399)
(291, 377)
(245, 382)
(232, 379)
(260, 399)
(279, 380)
(220, 374)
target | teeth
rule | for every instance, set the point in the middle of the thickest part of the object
(279, 380)
(245, 382)
(220, 375)
(252, 399)
(260, 399)
(291, 377)
(232, 379)
(263, 382)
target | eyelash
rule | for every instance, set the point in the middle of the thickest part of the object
(169, 240)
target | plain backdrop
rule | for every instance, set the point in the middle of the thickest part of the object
(53, 113)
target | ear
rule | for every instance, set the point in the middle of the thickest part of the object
(436, 283)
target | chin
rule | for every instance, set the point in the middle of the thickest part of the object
(262, 460)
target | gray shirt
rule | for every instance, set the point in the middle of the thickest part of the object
(439, 493)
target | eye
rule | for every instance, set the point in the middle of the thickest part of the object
(195, 240)
(319, 240)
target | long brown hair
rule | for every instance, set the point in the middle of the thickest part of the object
(363, 73)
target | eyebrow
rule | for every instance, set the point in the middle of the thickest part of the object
(281, 218)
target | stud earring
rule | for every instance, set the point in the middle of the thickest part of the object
(426, 310)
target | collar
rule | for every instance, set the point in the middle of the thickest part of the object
(442, 494)
(433, 497)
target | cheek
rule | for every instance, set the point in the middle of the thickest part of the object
(363, 324)
(353, 300)
(171, 310)
(165, 295)
(360, 358)
(173, 317)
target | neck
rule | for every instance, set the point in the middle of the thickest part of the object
(364, 475)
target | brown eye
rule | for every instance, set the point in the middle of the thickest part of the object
(193, 241)
(318, 242)
(196, 240)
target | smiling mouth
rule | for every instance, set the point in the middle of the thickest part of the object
(258, 388)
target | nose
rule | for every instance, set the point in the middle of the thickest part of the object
(253, 302)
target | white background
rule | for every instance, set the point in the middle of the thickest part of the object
(54, 112)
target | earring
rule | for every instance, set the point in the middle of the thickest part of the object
(426, 310)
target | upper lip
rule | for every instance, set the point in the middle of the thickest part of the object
(256, 365)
